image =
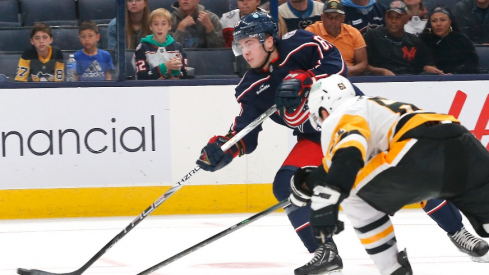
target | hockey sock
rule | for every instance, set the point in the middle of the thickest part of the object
(299, 218)
(445, 214)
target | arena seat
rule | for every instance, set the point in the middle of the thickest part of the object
(99, 11)
(216, 6)
(483, 53)
(166, 4)
(51, 12)
(15, 39)
(9, 13)
(212, 63)
(8, 65)
(66, 38)
(102, 43)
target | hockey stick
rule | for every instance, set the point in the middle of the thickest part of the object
(155, 204)
(215, 237)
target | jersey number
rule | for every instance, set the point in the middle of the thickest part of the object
(325, 44)
(394, 106)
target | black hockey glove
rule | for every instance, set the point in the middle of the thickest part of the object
(293, 91)
(212, 158)
(325, 204)
(300, 193)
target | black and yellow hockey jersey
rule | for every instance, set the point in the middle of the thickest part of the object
(34, 68)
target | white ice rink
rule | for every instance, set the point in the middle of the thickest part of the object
(268, 246)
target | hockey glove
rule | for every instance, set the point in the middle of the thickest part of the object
(325, 204)
(212, 158)
(293, 91)
(300, 193)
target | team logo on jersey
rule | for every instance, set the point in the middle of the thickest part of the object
(288, 35)
(262, 88)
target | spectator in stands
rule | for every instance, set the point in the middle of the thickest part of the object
(346, 38)
(473, 19)
(298, 14)
(392, 51)
(230, 18)
(452, 51)
(364, 14)
(195, 27)
(137, 26)
(159, 56)
(92, 63)
(41, 62)
(418, 16)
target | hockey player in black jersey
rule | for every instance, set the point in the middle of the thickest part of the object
(299, 57)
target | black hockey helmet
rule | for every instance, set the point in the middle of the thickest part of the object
(256, 24)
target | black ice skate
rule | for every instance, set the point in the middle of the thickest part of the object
(405, 268)
(325, 260)
(469, 244)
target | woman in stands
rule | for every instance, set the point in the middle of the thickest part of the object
(137, 26)
(452, 51)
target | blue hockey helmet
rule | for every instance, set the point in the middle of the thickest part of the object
(256, 24)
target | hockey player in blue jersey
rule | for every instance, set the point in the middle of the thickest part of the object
(299, 57)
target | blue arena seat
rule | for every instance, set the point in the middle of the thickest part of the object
(483, 53)
(15, 39)
(102, 29)
(52, 12)
(216, 6)
(99, 11)
(8, 65)
(66, 38)
(9, 13)
(212, 63)
(166, 4)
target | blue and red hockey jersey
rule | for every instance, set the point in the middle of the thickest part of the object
(297, 50)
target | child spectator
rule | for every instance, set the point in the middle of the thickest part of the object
(92, 63)
(41, 62)
(159, 56)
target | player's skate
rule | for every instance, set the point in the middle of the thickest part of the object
(325, 260)
(405, 268)
(469, 244)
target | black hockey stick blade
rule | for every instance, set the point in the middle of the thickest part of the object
(216, 237)
(23, 271)
(259, 120)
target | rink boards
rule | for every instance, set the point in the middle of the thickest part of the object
(112, 151)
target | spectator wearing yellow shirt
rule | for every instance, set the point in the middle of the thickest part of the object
(346, 38)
